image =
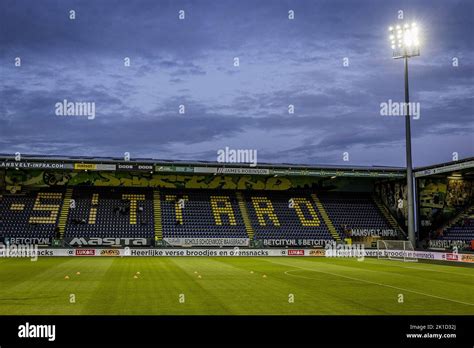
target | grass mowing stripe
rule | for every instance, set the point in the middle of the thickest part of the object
(329, 298)
(212, 299)
(452, 268)
(461, 282)
(380, 284)
(459, 287)
(228, 286)
(44, 284)
(239, 290)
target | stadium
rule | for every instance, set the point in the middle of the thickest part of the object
(265, 172)
(171, 237)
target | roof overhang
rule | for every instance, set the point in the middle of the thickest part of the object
(31, 162)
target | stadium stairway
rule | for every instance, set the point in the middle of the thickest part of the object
(466, 213)
(157, 215)
(388, 216)
(245, 215)
(64, 212)
(326, 218)
(93, 210)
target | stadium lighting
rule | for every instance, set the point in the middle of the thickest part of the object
(405, 43)
(405, 40)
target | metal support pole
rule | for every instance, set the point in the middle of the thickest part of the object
(410, 198)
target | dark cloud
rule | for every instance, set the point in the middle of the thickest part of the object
(190, 63)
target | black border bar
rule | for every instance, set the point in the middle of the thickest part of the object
(194, 331)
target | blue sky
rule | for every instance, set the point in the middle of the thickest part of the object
(190, 62)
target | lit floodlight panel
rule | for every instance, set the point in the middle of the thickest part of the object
(405, 40)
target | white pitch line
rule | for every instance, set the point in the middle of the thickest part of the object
(379, 284)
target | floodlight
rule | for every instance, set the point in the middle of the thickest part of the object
(407, 40)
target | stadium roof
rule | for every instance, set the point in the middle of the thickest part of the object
(464, 167)
(208, 167)
(91, 159)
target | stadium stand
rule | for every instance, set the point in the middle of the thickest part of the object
(89, 211)
(110, 212)
(354, 210)
(201, 213)
(285, 215)
(30, 214)
(462, 229)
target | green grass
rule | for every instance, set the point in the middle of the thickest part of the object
(232, 286)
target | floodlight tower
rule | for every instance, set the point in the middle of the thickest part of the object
(405, 43)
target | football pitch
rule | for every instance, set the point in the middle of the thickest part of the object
(228, 286)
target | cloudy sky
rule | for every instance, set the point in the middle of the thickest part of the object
(190, 62)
